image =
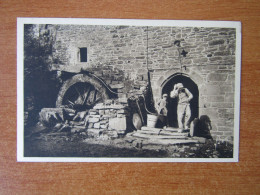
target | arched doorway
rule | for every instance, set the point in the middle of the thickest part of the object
(172, 102)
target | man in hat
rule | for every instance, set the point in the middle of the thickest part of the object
(183, 109)
(162, 109)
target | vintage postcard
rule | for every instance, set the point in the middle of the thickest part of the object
(114, 90)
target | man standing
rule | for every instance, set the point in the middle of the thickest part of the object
(162, 110)
(183, 109)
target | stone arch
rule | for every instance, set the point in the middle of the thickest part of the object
(165, 84)
(193, 75)
(81, 78)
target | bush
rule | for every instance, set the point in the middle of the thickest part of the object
(40, 84)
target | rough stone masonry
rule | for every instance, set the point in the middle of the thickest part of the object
(122, 56)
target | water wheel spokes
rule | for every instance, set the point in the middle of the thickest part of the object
(86, 95)
(81, 91)
(70, 102)
(82, 96)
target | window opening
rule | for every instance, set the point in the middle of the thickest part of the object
(83, 54)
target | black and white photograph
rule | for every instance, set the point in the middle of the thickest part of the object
(121, 90)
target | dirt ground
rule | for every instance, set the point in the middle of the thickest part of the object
(42, 142)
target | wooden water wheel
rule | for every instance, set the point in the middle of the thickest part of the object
(81, 92)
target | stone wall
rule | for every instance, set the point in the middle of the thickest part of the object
(108, 120)
(210, 63)
(118, 55)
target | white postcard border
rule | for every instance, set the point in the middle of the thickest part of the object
(128, 22)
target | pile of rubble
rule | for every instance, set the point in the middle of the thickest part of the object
(105, 120)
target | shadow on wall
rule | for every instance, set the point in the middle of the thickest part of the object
(172, 102)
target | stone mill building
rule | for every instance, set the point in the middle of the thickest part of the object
(106, 66)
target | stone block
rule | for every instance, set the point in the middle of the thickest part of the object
(78, 129)
(107, 115)
(94, 116)
(224, 112)
(93, 113)
(93, 110)
(108, 81)
(107, 112)
(112, 115)
(101, 112)
(215, 98)
(90, 125)
(123, 100)
(111, 133)
(120, 115)
(117, 123)
(231, 77)
(117, 86)
(216, 77)
(226, 88)
(200, 139)
(225, 129)
(121, 111)
(222, 104)
(109, 101)
(197, 78)
(103, 121)
(104, 126)
(94, 132)
(218, 133)
(213, 59)
(121, 132)
(222, 53)
(122, 95)
(99, 105)
(114, 82)
(93, 120)
(229, 133)
(210, 112)
(216, 42)
(96, 125)
(200, 60)
(229, 97)
(114, 106)
(211, 90)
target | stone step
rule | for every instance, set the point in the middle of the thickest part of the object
(163, 132)
(168, 141)
(169, 129)
(154, 136)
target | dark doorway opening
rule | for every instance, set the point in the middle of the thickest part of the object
(172, 102)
